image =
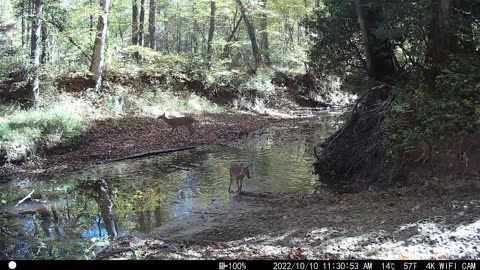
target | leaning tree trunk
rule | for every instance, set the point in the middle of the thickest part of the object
(264, 35)
(354, 157)
(151, 24)
(211, 31)
(439, 39)
(251, 34)
(35, 55)
(98, 60)
(103, 196)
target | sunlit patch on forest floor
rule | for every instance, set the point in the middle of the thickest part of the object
(433, 220)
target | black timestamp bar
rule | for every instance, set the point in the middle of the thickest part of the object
(220, 264)
(368, 265)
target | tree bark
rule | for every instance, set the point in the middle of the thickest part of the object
(44, 55)
(211, 31)
(35, 53)
(30, 10)
(264, 45)
(103, 197)
(251, 34)
(98, 59)
(439, 40)
(378, 51)
(152, 24)
(142, 23)
(22, 8)
(134, 22)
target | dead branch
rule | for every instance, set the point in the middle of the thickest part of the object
(146, 154)
(22, 200)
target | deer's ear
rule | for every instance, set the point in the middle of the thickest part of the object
(248, 165)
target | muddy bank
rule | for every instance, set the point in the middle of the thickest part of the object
(437, 219)
(117, 138)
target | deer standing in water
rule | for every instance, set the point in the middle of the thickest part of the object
(238, 171)
(179, 121)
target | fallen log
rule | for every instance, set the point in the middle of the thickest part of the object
(152, 153)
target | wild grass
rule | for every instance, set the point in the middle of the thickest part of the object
(21, 131)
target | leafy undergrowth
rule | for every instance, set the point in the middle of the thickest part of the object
(23, 133)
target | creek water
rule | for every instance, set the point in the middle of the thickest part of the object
(70, 214)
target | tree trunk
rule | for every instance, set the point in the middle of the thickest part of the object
(22, 7)
(142, 23)
(98, 60)
(355, 157)
(152, 24)
(134, 22)
(439, 40)
(103, 197)
(251, 34)
(167, 47)
(211, 31)
(264, 35)
(29, 24)
(35, 54)
(378, 51)
(44, 55)
(178, 35)
(92, 24)
(194, 38)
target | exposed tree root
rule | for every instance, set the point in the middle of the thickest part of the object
(354, 157)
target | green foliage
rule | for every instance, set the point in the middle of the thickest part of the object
(337, 43)
(12, 63)
(261, 83)
(158, 102)
(292, 60)
(420, 115)
(21, 131)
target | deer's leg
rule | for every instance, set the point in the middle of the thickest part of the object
(241, 184)
(231, 180)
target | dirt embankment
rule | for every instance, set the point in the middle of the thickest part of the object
(116, 138)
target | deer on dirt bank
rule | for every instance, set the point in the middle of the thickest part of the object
(179, 121)
(238, 171)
